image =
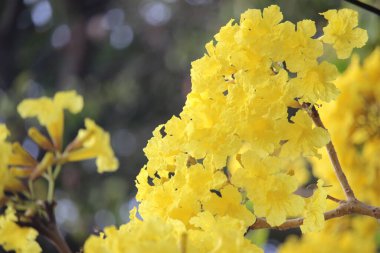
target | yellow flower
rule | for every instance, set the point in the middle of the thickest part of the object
(94, 142)
(315, 83)
(49, 112)
(301, 49)
(342, 31)
(302, 138)
(16, 238)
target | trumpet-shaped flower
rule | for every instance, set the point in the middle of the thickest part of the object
(94, 142)
(49, 112)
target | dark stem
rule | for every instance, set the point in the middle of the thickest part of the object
(48, 228)
(364, 6)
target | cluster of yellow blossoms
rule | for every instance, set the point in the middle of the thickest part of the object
(230, 155)
(18, 166)
(353, 121)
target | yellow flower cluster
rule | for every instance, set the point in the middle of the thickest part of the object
(233, 144)
(16, 238)
(238, 110)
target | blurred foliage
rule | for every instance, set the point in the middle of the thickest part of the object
(258, 237)
(130, 59)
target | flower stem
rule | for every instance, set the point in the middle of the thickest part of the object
(31, 188)
(47, 227)
(54, 236)
(57, 171)
(51, 185)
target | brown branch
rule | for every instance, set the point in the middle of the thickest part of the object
(345, 208)
(48, 228)
(313, 113)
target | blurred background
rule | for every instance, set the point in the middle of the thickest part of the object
(131, 60)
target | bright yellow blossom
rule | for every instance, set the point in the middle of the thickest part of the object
(16, 238)
(342, 31)
(319, 83)
(302, 138)
(302, 51)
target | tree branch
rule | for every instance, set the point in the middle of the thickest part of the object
(364, 6)
(313, 113)
(345, 208)
(48, 228)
